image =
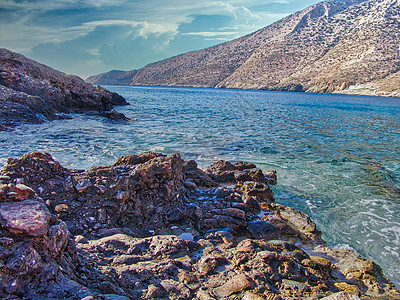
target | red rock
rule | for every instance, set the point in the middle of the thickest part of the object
(236, 284)
(28, 217)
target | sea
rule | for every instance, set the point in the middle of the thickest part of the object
(337, 156)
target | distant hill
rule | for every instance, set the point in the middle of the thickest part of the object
(113, 77)
(330, 47)
(31, 92)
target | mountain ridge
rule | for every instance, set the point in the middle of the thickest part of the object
(330, 47)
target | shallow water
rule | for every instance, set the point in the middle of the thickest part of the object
(337, 157)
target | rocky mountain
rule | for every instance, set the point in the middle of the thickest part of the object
(330, 47)
(32, 92)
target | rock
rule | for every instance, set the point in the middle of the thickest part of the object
(26, 217)
(241, 176)
(271, 177)
(208, 264)
(241, 166)
(341, 296)
(125, 242)
(115, 297)
(58, 237)
(273, 229)
(154, 291)
(187, 236)
(236, 284)
(61, 208)
(34, 93)
(24, 191)
(234, 213)
(114, 115)
(291, 284)
(256, 175)
(260, 191)
(251, 296)
(25, 259)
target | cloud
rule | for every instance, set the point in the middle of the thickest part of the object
(110, 45)
(92, 36)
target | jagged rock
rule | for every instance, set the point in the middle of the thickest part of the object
(26, 217)
(128, 216)
(234, 285)
(114, 115)
(271, 229)
(341, 296)
(33, 93)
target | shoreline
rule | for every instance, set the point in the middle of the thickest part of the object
(367, 92)
(202, 235)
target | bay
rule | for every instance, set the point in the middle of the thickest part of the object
(337, 156)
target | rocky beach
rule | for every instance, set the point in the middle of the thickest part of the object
(152, 226)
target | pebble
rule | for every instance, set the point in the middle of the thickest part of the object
(61, 208)
(187, 236)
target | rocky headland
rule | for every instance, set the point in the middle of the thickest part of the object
(152, 226)
(349, 47)
(33, 93)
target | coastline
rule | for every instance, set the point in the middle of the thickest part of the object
(155, 226)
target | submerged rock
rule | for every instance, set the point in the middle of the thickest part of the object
(152, 226)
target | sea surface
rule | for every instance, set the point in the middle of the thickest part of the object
(337, 157)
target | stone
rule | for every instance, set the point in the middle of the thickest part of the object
(341, 296)
(130, 248)
(251, 296)
(24, 192)
(270, 229)
(349, 288)
(154, 291)
(236, 284)
(292, 284)
(242, 176)
(234, 213)
(271, 177)
(25, 259)
(34, 93)
(187, 236)
(256, 175)
(114, 115)
(26, 217)
(115, 297)
(58, 236)
(61, 208)
(241, 166)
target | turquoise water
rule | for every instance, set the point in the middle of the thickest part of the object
(337, 157)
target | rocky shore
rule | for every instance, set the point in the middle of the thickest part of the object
(152, 226)
(34, 93)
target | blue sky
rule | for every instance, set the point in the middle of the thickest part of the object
(94, 36)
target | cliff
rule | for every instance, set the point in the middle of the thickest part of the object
(31, 92)
(330, 47)
(152, 226)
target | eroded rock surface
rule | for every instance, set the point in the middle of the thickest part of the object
(33, 93)
(152, 226)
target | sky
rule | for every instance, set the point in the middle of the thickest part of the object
(95, 36)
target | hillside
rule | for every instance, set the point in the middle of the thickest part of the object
(330, 47)
(33, 93)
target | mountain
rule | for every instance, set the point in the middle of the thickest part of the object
(33, 93)
(330, 47)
